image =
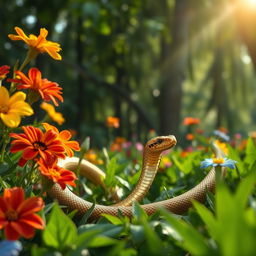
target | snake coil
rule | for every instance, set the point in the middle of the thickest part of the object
(151, 159)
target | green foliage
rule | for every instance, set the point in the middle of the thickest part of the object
(225, 225)
(60, 232)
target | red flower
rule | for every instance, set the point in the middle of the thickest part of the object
(4, 70)
(35, 144)
(57, 174)
(64, 136)
(17, 214)
(49, 91)
(191, 121)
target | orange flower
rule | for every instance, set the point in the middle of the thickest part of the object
(191, 121)
(112, 122)
(57, 174)
(38, 44)
(17, 214)
(35, 144)
(55, 116)
(190, 136)
(92, 157)
(64, 136)
(184, 153)
(115, 147)
(223, 129)
(46, 89)
(120, 140)
(4, 70)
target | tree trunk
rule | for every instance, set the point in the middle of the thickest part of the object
(175, 63)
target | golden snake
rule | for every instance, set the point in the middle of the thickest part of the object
(151, 159)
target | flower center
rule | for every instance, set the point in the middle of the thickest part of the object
(39, 145)
(218, 160)
(11, 215)
(4, 109)
(54, 173)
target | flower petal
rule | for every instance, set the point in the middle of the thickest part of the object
(4, 96)
(18, 96)
(23, 229)
(11, 233)
(14, 197)
(31, 205)
(11, 119)
(33, 220)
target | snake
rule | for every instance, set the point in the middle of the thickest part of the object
(152, 153)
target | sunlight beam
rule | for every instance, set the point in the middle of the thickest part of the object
(250, 3)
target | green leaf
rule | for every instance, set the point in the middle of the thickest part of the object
(87, 215)
(37, 251)
(110, 172)
(233, 154)
(60, 231)
(250, 150)
(4, 167)
(104, 229)
(154, 243)
(138, 213)
(244, 189)
(208, 218)
(100, 241)
(191, 239)
(113, 219)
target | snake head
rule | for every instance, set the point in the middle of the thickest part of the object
(161, 143)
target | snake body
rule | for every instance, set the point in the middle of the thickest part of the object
(151, 159)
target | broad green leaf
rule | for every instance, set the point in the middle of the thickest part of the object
(37, 251)
(84, 238)
(60, 231)
(100, 241)
(138, 213)
(137, 233)
(191, 239)
(105, 229)
(113, 219)
(154, 243)
(208, 218)
(244, 189)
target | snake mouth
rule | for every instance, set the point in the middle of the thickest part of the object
(173, 141)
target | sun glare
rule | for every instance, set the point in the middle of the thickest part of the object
(251, 3)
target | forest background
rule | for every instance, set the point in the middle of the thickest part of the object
(149, 63)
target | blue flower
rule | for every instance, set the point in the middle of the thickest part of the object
(221, 135)
(224, 162)
(10, 248)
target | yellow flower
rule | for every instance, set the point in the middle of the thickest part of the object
(38, 44)
(222, 146)
(55, 116)
(13, 107)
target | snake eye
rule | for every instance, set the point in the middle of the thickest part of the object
(160, 141)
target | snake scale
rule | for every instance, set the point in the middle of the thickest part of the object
(151, 159)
